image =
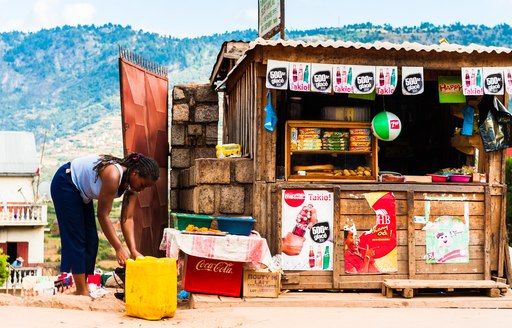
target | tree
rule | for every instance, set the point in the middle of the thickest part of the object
(4, 267)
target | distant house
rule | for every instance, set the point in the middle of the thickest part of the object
(22, 221)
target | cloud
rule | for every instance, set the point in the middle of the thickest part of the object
(79, 13)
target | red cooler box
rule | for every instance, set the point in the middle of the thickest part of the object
(209, 276)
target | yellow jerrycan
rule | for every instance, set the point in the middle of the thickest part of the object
(151, 288)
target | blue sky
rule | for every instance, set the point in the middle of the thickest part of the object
(193, 18)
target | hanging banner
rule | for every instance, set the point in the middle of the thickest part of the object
(472, 81)
(321, 78)
(277, 75)
(412, 81)
(493, 81)
(386, 84)
(364, 79)
(450, 90)
(375, 250)
(447, 239)
(301, 78)
(508, 79)
(342, 78)
(307, 229)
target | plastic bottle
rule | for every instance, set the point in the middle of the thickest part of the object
(319, 257)
(306, 74)
(349, 76)
(311, 257)
(478, 78)
(393, 77)
(327, 258)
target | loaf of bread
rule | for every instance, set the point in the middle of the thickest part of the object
(309, 168)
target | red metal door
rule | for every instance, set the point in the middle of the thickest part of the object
(144, 107)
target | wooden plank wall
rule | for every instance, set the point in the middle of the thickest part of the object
(411, 244)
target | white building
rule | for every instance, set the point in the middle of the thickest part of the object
(22, 221)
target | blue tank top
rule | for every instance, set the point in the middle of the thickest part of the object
(83, 176)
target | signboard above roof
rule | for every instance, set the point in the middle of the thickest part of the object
(270, 18)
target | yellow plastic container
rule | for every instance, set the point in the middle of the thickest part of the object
(151, 288)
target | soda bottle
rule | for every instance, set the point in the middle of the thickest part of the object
(381, 78)
(386, 79)
(338, 76)
(468, 80)
(478, 78)
(393, 77)
(306, 74)
(311, 257)
(327, 258)
(319, 257)
(344, 75)
(301, 222)
(294, 74)
(349, 76)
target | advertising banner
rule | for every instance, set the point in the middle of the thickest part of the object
(364, 79)
(301, 76)
(447, 240)
(508, 79)
(321, 78)
(412, 81)
(472, 81)
(277, 75)
(493, 81)
(307, 229)
(342, 78)
(374, 251)
(386, 83)
(450, 90)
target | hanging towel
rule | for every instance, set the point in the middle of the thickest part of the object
(270, 117)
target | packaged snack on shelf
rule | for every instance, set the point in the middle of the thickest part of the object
(228, 150)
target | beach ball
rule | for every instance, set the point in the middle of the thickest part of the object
(386, 126)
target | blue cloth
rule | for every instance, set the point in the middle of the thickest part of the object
(467, 125)
(270, 117)
(77, 225)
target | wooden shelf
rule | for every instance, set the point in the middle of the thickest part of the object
(467, 144)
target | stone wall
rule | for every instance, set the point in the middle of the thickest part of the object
(201, 183)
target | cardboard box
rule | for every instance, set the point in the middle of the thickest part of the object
(479, 177)
(418, 178)
(261, 284)
(209, 276)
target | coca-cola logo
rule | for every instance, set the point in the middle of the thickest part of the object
(294, 198)
(219, 267)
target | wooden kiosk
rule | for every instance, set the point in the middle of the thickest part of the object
(427, 143)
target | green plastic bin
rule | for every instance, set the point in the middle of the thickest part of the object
(182, 220)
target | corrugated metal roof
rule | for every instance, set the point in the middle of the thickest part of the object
(407, 46)
(18, 153)
(378, 45)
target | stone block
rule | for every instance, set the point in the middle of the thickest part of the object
(212, 171)
(178, 93)
(206, 113)
(244, 170)
(177, 135)
(212, 134)
(194, 129)
(205, 93)
(180, 113)
(201, 152)
(175, 179)
(174, 201)
(180, 158)
(184, 178)
(186, 200)
(204, 199)
(232, 200)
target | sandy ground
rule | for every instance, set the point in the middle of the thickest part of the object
(16, 316)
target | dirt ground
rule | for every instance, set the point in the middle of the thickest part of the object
(80, 311)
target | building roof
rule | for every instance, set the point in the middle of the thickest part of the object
(378, 45)
(18, 155)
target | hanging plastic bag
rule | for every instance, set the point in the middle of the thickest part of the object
(496, 124)
(270, 117)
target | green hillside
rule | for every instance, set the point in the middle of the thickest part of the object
(64, 81)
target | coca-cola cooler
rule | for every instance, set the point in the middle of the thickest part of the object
(209, 276)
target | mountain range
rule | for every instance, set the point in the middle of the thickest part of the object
(62, 84)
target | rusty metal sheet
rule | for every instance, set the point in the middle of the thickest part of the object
(144, 111)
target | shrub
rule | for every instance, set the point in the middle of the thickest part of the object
(4, 267)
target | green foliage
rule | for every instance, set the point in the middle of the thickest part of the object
(105, 251)
(4, 267)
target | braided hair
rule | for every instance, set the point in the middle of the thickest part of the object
(146, 166)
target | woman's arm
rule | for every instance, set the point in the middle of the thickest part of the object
(127, 225)
(110, 183)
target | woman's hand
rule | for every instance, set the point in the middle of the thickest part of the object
(122, 256)
(136, 254)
